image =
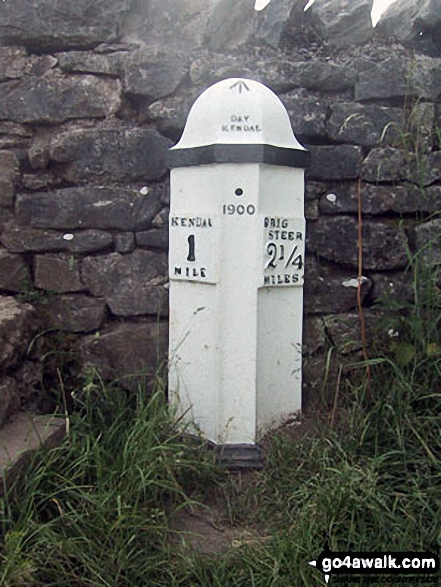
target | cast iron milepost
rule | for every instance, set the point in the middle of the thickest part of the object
(236, 262)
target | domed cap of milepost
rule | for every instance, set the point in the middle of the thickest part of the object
(238, 121)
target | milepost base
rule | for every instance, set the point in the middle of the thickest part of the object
(239, 456)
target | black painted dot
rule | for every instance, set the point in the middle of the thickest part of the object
(239, 192)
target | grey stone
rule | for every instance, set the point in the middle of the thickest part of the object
(7, 189)
(6, 217)
(156, 238)
(9, 167)
(154, 74)
(235, 23)
(14, 136)
(84, 207)
(54, 99)
(313, 335)
(335, 238)
(130, 353)
(15, 63)
(161, 219)
(307, 116)
(12, 63)
(73, 313)
(41, 180)
(392, 289)
(14, 272)
(170, 114)
(431, 168)
(38, 153)
(9, 399)
(366, 125)
(132, 284)
(319, 379)
(125, 242)
(342, 23)
(387, 164)
(29, 377)
(396, 77)
(343, 199)
(399, 20)
(426, 239)
(58, 273)
(22, 239)
(122, 154)
(419, 131)
(94, 63)
(232, 23)
(21, 436)
(413, 22)
(169, 23)
(331, 290)
(344, 330)
(311, 210)
(281, 75)
(334, 162)
(60, 24)
(17, 327)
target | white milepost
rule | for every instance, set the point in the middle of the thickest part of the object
(237, 241)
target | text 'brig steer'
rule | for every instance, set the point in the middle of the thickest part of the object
(236, 263)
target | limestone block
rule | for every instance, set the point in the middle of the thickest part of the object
(93, 62)
(393, 287)
(396, 77)
(313, 335)
(404, 199)
(88, 207)
(73, 313)
(13, 135)
(58, 273)
(14, 272)
(386, 164)
(307, 116)
(342, 23)
(170, 114)
(365, 125)
(54, 99)
(331, 290)
(9, 167)
(9, 398)
(125, 242)
(335, 238)
(131, 284)
(17, 327)
(235, 22)
(22, 239)
(155, 238)
(334, 162)
(170, 23)
(426, 238)
(344, 330)
(154, 74)
(431, 168)
(59, 24)
(29, 377)
(131, 353)
(12, 63)
(413, 22)
(123, 154)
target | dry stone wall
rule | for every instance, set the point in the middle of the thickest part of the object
(91, 97)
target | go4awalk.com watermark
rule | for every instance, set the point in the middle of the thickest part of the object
(396, 568)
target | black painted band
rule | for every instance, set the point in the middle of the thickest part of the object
(233, 153)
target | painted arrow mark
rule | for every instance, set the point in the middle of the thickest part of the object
(240, 85)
